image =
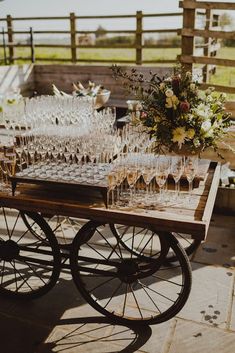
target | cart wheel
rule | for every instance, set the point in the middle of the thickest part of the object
(144, 239)
(125, 286)
(30, 262)
(140, 241)
(65, 228)
(187, 243)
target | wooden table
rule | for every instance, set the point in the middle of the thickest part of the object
(127, 263)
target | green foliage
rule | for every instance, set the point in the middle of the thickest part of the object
(116, 40)
(174, 112)
(100, 32)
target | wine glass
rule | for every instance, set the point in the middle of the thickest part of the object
(8, 170)
(190, 169)
(162, 172)
(177, 167)
(131, 175)
(112, 182)
(148, 173)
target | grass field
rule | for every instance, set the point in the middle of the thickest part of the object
(223, 76)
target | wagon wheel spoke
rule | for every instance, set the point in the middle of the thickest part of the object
(30, 262)
(132, 287)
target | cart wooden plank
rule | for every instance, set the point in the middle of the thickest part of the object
(193, 219)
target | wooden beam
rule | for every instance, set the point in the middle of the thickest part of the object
(10, 39)
(73, 37)
(188, 59)
(187, 42)
(188, 32)
(219, 88)
(139, 37)
(191, 4)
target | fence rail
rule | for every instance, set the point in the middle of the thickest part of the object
(211, 35)
(201, 54)
(73, 33)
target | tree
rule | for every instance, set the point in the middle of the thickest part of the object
(225, 20)
(100, 32)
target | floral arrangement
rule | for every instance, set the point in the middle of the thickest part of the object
(177, 115)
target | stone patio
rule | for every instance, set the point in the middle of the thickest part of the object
(62, 322)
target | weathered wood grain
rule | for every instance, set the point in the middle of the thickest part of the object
(192, 219)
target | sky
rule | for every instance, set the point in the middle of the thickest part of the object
(83, 7)
(25, 8)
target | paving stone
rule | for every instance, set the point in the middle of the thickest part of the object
(195, 338)
(62, 321)
(232, 313)
(20, 336)
(210, 296)
(219, 248)
(49, 308)
(93, 337)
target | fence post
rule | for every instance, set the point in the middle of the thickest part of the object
(32, 45)
(187, 43)
(138, 38)
(10, 39)
(4, 46)
(73, 37)
(206, 51)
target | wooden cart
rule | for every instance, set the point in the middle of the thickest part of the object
(128, 264)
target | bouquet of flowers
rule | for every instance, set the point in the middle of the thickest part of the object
(177, 115)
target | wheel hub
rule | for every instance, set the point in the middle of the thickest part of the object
(128, 270)
(9, 250)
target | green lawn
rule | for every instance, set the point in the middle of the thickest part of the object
(224, 75)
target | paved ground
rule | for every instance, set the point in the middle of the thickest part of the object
(61, 321)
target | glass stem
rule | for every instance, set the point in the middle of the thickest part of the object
(190, 187)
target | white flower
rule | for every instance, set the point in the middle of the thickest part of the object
(162, 85)
(169, 93)
(201, 95)
(206, 126)
(203, 111)
(179, 135)
(223, 96)
(208, 91)
(207, 129)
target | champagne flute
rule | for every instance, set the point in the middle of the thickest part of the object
(177, 167)
(112, 182)
(161, 176)
(131, 174)
(190, 169)
(148, 174)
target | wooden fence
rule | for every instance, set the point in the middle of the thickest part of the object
(192, 54)
(138, 34)
(189, 31)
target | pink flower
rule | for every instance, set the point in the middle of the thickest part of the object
(184, 106)
(144, 115)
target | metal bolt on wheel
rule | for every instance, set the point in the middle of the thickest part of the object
(125, 286)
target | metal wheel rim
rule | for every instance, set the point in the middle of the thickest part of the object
(30, 266)
(104, 295)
